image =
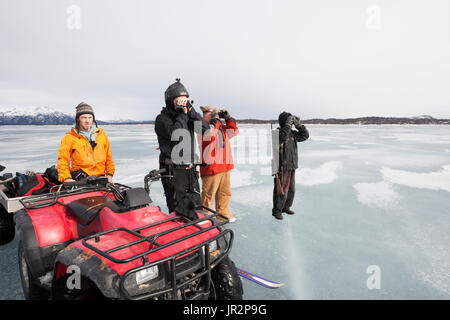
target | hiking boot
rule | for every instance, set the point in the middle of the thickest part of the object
(278, 216)
(288, 211)
(230, 220)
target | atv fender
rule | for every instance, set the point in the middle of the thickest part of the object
(40, 259)
(91, 267)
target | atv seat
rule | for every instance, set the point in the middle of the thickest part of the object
(86, 210)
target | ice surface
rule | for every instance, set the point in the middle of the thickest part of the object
(326, 173)
(438, 180)
(241, 178)
(365, 195)
(380, 194)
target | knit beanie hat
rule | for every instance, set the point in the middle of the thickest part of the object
(176, 89)
(84, 108)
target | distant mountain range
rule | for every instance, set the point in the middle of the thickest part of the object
(43, 116)
(37, 115)
(361, 121)
(380, 120)
(48, 116)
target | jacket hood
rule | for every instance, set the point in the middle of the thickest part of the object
(283, 117)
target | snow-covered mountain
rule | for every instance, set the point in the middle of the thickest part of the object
(33, 116)
(43, 116)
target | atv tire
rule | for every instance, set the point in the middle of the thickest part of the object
(226, 283)
(31, 290)
(7, 228)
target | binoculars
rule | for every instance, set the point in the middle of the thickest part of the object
(188, 105)
(222, 113)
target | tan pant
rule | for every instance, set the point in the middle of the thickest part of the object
(217, 187)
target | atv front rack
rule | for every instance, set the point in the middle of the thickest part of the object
(201, 252)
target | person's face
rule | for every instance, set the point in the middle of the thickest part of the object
(85, 121)
(207, 116)
(180, 101)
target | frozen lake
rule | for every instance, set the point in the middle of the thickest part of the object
(367, 198)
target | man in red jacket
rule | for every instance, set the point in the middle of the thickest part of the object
(216, 153)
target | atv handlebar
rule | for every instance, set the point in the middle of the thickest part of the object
(160, 171)
(89, 181)
(153, 175)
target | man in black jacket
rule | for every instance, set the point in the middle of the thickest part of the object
(288, 163)
(175, 127)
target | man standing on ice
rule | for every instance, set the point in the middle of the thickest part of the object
(284, 181)
(174, 127)
(85, 149)
(216, 153)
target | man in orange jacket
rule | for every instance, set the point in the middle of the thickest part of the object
(85, 149)
(216, 153)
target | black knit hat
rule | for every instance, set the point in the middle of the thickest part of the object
(176, 89)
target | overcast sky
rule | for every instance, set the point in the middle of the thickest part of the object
(318, 59)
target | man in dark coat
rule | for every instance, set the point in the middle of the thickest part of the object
(288, 162)
(177, 148)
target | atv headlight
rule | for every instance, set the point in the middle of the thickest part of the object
(146, 275)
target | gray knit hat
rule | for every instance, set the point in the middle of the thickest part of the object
(84, 108)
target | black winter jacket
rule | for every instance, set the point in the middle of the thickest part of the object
(167, 122)
(288, 146)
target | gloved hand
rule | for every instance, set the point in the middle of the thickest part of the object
(289, 121)
(296, 121)
(190, 111)
(225, 114)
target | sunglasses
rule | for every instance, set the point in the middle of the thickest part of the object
(209, 110)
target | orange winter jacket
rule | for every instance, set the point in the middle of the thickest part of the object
(216, 149)
(76, 153)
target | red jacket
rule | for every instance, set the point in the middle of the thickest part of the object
(216, 149)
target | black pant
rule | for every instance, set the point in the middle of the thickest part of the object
(284, 202)
(169, 192)
(183, 182)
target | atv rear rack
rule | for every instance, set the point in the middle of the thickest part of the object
(170, 263)
(46, 199)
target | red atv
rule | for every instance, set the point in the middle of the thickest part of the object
(91, 239)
